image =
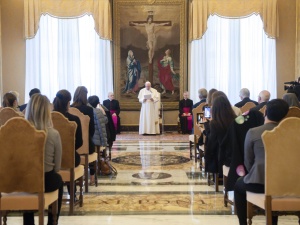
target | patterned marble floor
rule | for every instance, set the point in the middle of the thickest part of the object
(156, 184)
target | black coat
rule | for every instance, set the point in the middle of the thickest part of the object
(244, 101)
(185, 103)
(232, 146)
(112, 105)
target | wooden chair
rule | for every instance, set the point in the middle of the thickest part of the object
(282, 185)
(193, 139)
(6, 114)
(22, 170)
(70, 174)
(247, 107)
(263, 109)
(225, 176)
(86, 158)
(293, 112)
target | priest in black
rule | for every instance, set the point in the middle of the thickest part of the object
(185, 113)
(114, 107)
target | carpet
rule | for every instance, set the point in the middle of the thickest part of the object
(171, 137)
(151, 203)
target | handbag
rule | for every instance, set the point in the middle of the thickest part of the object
(106, 168)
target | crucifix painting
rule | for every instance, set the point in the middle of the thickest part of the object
(150, 25)
(149, 42)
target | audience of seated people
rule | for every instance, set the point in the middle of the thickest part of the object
(245, 97)
(222, 116)
(80, 102)
(263, 98)
(10, 100)
(39, 115)
(32, 92)
(202, 92)
(114, 107)
(291, 99)
(185, 113)
(237, 111)
(254, 159)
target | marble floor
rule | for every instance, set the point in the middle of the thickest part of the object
(156, 184)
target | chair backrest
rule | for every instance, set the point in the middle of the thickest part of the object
(282, 158)
(6, 114)
(196, 111)
(84, 120)
(22, 157)
(67, 130)
(247, 106)
(293, 112)
(263, 109)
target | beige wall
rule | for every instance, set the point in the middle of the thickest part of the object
(13, 46)
(13, 50)
(286, 44)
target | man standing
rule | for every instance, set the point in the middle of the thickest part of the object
(245, 97)
(185, 113)
(114, 107)
(254, 158)
(148, 115)
(202, 96)
(263, 98)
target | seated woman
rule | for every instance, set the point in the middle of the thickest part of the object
(39, 115)
(61, 104)
(100, 121)
(10, 100)
(215, 130)
(80, 102)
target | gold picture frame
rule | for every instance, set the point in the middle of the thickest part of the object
(150, 44)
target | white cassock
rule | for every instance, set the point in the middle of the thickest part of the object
(148, 114)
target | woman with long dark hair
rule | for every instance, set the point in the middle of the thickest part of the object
(80, 102)
(222, 116)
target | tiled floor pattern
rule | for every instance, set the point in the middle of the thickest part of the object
(155, 184)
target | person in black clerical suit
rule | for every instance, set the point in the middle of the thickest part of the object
(114, 107)
(185, 113)
(245, 97)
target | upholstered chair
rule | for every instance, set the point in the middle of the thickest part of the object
(86, 158)
(282, 184)
(70, 174)
(193, 139)
(7, 113)
(22, 170)
(247, 107)
(263, 109)
(293, 112)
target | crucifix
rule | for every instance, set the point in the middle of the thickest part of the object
(151, 37)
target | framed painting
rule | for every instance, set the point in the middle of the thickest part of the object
(150, 44)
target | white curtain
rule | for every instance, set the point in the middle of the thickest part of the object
(67, 53)
(233, 54)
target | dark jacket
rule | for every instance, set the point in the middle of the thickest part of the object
(185, 103)
(259, 106)
(198, 103)
(232, 146)
(244, 101)
(112, 105)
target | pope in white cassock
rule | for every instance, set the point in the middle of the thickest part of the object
(149, 114)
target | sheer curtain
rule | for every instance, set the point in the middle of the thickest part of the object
(233, 54)
(67, 53)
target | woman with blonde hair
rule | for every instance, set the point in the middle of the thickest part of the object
(39, 115)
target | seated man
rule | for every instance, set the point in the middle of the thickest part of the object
(202, 96)
(185, 113)
(254, 158)
(32, 92)
(263, 98)
(245, 97)
(114, 107)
